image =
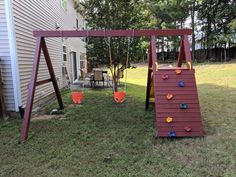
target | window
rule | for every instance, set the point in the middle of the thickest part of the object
(64, 53)
(82, 60)
(64, 4)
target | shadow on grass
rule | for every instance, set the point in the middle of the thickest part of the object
(218, 106)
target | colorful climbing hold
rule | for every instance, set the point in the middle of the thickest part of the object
(189, 65)
(171, 134)
(157, 66)
(169, 120)
(183, 106)
(178, 71)
(165, 76)
(169, 96)
(188, 129)
(181, 83)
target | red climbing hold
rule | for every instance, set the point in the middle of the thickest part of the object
(187, 129)
(165, 76)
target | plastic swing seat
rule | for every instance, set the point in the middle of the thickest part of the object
(77, 97)
(119, 97)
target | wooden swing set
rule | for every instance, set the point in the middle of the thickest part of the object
(42, 46)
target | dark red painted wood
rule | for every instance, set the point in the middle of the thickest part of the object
(183, 111)
(153, 54)
(115, 33)
(43, 82)
(173, 84)
(149, 79)
(172, 68)
(180, 134)
(180, 127)
(31, 92)
(176, 106)
(178, 114)
(40, 44)
(177, 101)
(170, 108)
(169, 89)
(187, 53)
(174, 77)
(181, 123)
(176, 80)
(178, 119)
(52, 74)
(184, 51)
(181, 54)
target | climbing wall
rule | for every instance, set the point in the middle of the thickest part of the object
(176, 103)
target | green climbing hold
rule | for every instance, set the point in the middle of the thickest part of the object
(183, 106)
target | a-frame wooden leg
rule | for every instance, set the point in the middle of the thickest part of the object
(181, 54)
(184, 52)
(187, 54)
(151, 69)
(149, 77)
(52, 74)
(32, 85)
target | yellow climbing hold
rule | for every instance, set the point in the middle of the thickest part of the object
(190, 65)
(156, 66)
(169, 120)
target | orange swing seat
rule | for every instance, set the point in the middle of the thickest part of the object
(77, 97)
(119, 97)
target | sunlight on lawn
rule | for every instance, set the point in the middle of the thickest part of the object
(217, 74)
(137, 76)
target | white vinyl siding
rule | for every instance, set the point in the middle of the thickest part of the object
(42, 15)
(5, 62)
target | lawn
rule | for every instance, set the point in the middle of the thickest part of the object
(101, 138)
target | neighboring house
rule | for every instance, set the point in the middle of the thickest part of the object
(18, 19)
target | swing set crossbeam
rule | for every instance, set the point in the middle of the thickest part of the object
(113, 33)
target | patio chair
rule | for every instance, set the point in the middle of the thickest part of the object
(97, 77)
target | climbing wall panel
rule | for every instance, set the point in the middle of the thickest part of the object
(176, 103)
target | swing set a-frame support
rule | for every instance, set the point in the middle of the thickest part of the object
(41, 45)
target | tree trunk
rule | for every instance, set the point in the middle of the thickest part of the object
(225, 52)
(162, 50)
(208, 37)
(193, 28)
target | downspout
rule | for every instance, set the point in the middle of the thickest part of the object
(13, 53)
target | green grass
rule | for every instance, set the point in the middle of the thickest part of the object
(102, 138)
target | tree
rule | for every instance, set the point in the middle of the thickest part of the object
(112, 14)
(168, 14)
(216, 17)
(192, 14)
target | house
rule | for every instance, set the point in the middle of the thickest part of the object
(18, 19)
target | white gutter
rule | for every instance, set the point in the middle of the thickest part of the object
(13, 53)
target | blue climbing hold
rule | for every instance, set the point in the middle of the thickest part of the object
(181, 83)
(171, 134)
(183, 106)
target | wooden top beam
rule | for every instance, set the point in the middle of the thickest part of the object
(112, 33)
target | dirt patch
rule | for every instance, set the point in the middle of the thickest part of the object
(43, 117)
